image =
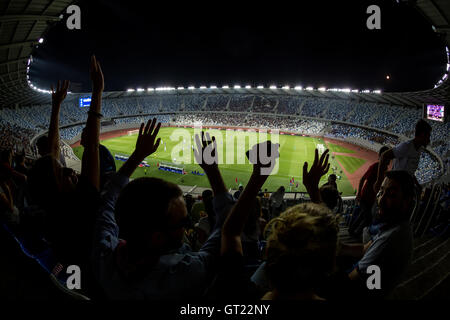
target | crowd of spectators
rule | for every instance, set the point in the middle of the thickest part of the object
(144, 240)
(311, 127)
(288, 105)
(362, 113)
(264, 104)
(241, 103)
(16, 138)
(429, 169)
(315, 107)
(35, 118)
(343, 131)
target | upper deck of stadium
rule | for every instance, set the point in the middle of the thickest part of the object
(23, 24)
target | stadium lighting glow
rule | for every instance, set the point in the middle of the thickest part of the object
(150, 89)
(202, 87)
(298, 88)
(41, 40)
(273, 87)
(309, 88)
(164, 89)
(140, 90)
(180, 88)
(248, 87)
(355, 90)
(130, 90)
(448, 66)
(346, 90)
(213, 87)
(286, 87)
(377, 91)
(445, 77)
(236, 86)
(260, 87)
(322, 89)
(225, 87)
(191, 87)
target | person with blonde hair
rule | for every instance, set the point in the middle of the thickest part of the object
(301, 246)
(301, 251)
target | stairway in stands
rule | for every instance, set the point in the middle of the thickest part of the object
(428, 277)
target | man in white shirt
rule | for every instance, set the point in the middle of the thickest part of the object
(406, 155)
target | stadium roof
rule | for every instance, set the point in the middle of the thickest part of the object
(24, 22)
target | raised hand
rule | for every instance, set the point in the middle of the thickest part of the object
(318, 169)
(205, 154)
(97, 78)
(147, 143)
(263, 157)
(60, 94)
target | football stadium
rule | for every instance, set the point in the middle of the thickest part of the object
(113, 183)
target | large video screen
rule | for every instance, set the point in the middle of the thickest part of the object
(84, 102)
(435, 112)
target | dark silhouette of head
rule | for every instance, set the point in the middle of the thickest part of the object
(42, 144)
(330, 196)
(383, 149)
(423, 132)
(396, 196)
(151, 215)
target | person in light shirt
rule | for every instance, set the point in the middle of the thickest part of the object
(406, 155)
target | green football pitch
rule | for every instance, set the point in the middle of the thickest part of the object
(294, 151)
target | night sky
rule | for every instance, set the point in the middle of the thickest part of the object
(325, 43)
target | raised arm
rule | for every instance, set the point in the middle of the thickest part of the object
(311, 179)
(146, 144)
(234, 224)
(386, 157)
(361, 184)
(90, 167)
(207, 158)
(58, 97)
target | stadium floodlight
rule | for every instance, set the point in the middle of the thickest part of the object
(286, 87)
(202, 87)
(309, 88)
(248, 87)
(180, 88)
(355, 90)
(272, 87)
(130, 90)
(225, 87)
(377, 91)
(140, 90)
(298, 88)
(41, 40)
(347, 90)
(236, 86)
(213, 87)
(191, 87)
(150, 89)
(444, 77)
(165, 89)
(322, 89)
(260, 87)
(448, 66)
